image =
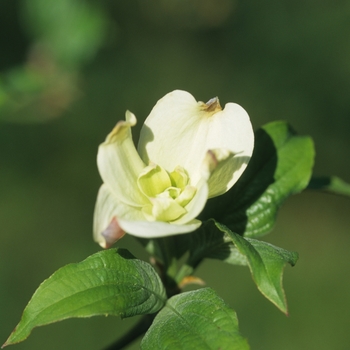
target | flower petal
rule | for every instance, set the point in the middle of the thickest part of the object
(156, 229)
(112, 233)
(186, 196)
(196, 205)
(165, 209)
(223, 169)
(186, 129)
(119, 163)
(108, 210)
(153, 180)
(226, 174)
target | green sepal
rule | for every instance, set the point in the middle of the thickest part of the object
(195, 320)
(110, 282)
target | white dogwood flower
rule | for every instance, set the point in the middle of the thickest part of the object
(188, 152)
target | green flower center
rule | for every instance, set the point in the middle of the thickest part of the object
(168, 193)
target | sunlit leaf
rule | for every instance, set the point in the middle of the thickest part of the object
(195, 320)
(111, 282)
(266, 263)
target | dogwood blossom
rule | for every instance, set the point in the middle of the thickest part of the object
(188, 152)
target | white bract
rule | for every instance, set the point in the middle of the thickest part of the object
(188, 152)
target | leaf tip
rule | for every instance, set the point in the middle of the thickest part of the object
(8, 341)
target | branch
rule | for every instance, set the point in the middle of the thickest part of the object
(139, 329)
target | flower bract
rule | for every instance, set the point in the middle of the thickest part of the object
(188, 151)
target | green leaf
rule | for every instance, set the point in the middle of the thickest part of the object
(330, 184)
(266, 263)
(195, 320)
(281, 165)
(207, 242)
(111, 282)
(228, 253)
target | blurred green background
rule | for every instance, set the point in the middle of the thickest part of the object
(68, 71)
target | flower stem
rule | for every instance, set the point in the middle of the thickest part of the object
(139, 329)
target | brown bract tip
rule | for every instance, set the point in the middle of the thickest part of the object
(213, 105)
(112, 233)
